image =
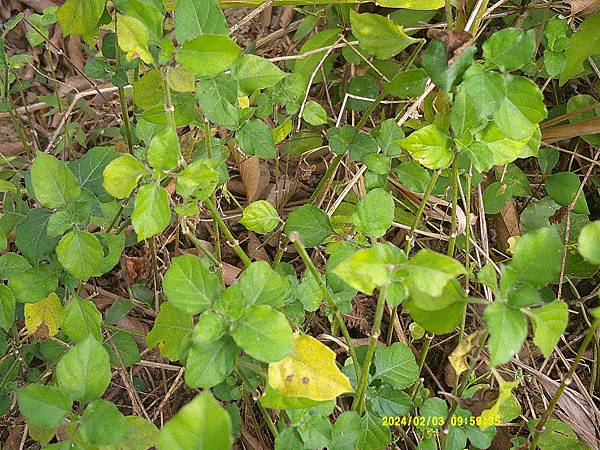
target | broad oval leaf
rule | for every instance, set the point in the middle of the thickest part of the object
(54, 185)
(44, 315)
(44, 405)
(202, 423)
(549, 322)
(310, 372)
(253, 73)
(83, 373)
(311, 223)
(189, 285)
(589, 242)
(121, 176)
(163, 151)
(194, 18)
(260, 216)
(171, 331)
(509, 49)
(81, 319)
(80, 253)
(396, 365)
(374, 213)
(508, 330)
(208, 55)
(430, 146)
(209, 363)
(151, 213)
(264, 333)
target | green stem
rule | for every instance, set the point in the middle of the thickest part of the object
(469, 177)
(422, 357)
(122, 98)
(205, 251)
(411, 233)
(452, 242)
(256, 395)
(328, 174)
(568, 378)
(295, 238)
(223, 226)
(359, 398)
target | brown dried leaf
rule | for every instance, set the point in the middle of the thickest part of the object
(506, 223)
(584, 7)
(254, 173)
(256, 250)
(452, 39)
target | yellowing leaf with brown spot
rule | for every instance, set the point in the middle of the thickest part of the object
(44, 316)
(459, 358)
(310, 372)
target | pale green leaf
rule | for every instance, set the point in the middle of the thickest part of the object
(43, 405)
(80, 17)
(509, 49)
(81, 319)
(80, 253)
(122, 174)
(508, 330)
(396, 365)
(430, 146)
(374, 213)
(163, 151)
(102, 423)
(253, 73)
(134, 38)
(260, 216)
(549, 323)
(171, 331)
(54, 185)
(194, 18)
(152, 212)
(378, 35)
(314, 113)
(589, 242)
(209, 363)
(585, 43)
(311, 223)
(538, 256)
(208, 55)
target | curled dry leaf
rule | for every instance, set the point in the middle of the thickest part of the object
(506, 223)
(254, 173)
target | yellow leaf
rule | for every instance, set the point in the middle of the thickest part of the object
(310, 372)
(505, 408)
(133, 38)
(46, 313)
(459, 357)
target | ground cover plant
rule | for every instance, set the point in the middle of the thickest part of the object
(335, 225)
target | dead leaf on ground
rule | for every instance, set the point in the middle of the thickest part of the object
(506, 223)
(584, 7)
(256, 250)
(254, 173)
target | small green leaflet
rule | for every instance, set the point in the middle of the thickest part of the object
(374, 213)
(260, 216)
(43, 405)
(171, 331)
(151, 214)
(311, 223)
(134, 38)
(586, 42)
(122, 174)
(80, 253)
(509, 49)
(508, 330)
(194, 18)
(549, 323)
(378, 35)
(589, 242)
(254, 73)
(430, 146)
(54, 184)
(81, 17)
(208, 55)
(163, 152)
(255, 138)
(396, 365)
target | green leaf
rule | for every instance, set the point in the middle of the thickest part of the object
(209, 363)
(314, 113)
(218, 100)
(260, 216)
(315, 431)
(509, 49)
(134, 38)
(121, 176)
(115, 244)
(495, 197)
(126, 347)
(80, 17)
(549, 323)
(508, 330)
(305, 66)
(208, 55)
(497, 147)
(54, 185)
(181, 79)
(373, 435)
(81, 319)
(88, 169)
(163, 151)
(261, 285)
(588, 242)
(407, 84)
(586, 42)
(429, 272)
(378, 35)
(142, 435)
(522, 109)
(171, 331)
(388, 135)
(429, 312)
(83, 373)
(374, 213)
(194, 18)
(345, 431)
(33, 284)
(189, 285)
(12, 265)
(253, 73)
(311, 223)
(197, 181)
(7, 307)
(310, 372)
(396, 365)
(430, 146)
(413, 175)
(210, 327)
(80, 253)
(591, 110)
(538, 256)
(102, 423)
(151, 213)
(370, 268)
(486, 90)
(255, 138)
(562, 188)
(413, 4)
(201, 424)
(42, 405)
(264, 333)
(556, 435)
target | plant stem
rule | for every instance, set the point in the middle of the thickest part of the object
(295, 238)
(563, 385)
(223, 226)
(255, 396)
(323, 182)
(411, 233)
(452, 242)
(469, 177)
(122, 98)
(422, 357)
(359, 398)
